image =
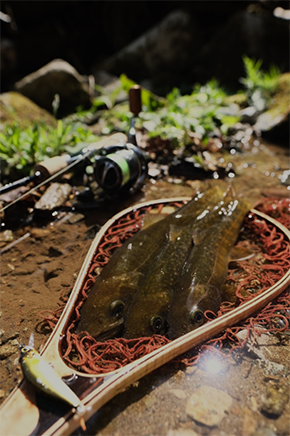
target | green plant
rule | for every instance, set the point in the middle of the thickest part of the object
(200, 112)
(260, 85)
(22, 148)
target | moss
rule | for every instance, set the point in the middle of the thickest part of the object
(15, 108)
(281, 101)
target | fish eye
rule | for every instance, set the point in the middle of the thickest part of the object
(197, 317)
(156, 323)
(117, 308)
(25, 350)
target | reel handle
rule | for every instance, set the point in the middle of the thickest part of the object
(135, 100)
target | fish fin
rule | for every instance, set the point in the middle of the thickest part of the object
(152, 218)
(228, 293)
(240, 253)
(198, 235)
(174, 232)
(31, 340)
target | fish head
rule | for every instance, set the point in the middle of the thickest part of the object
(158, 324)
(110, 322)
(191, 315)
(191, 320)
(205, 297)
(102, 314)
(27, 352)
(143, 322)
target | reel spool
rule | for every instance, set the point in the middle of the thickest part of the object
(121, 168)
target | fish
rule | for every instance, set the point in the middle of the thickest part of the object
(103, 312)
(45, 379)
(199, 287)
(147, 314)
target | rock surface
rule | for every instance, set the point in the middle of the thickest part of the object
(277, 116)
(16, 108)
(55, 195)
(208, 405)
(170, 45)
(58, 77)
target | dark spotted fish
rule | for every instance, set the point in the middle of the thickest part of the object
(148, 313)
(199, 286)
(102, 314)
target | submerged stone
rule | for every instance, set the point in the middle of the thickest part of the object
(54, 197)
(208, 405)
(275, 400)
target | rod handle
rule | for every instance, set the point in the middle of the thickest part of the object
(52, 166)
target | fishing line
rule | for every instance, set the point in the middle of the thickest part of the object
(71, 165)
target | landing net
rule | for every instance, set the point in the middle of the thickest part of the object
(250, 278)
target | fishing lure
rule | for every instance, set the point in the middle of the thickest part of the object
(43, 376)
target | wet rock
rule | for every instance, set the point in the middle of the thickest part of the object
(277, 116)
(7, 350)
(75, 218)
(179, 393)
(208, 405)
(249, 422)
(275, 399)
(56, 78)
(39, 233)
(16, 108)
(6, 236)
(265, 431)
(7, 336)
(169, 46)
(261, 345)
(55, 195)
(182, 432)
(255, 32)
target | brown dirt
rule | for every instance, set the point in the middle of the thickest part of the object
(36, 271)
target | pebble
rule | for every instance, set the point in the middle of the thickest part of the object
(6, 236)
(75, 218)
(6, 336)
(55, 195)
(182, 432)
(249, 422)
(261, 345)
(265, 431)
(39, 233)
(208, 405)
(275, 400)
(7, 350)
(179, 393)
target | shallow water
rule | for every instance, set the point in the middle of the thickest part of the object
(36, 271)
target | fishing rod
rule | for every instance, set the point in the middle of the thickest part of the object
(119, 165)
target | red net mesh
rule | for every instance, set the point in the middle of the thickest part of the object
(250, 278)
